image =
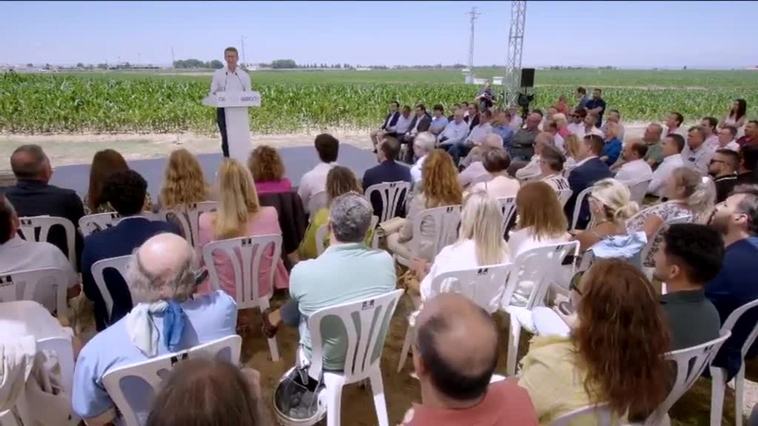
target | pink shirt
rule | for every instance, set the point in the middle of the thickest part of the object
(273, 186)
(266, 221)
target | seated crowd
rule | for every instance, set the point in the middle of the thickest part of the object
(665, 225)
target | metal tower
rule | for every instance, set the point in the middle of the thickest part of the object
(512, 81)
(470, 76)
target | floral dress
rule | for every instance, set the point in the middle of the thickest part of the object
(666, 211)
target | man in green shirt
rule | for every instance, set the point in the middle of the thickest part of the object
(652, 139)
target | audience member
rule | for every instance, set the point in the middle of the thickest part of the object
(516, 120)
(590, 126)
(576, 126)
(710, 127)
(540, 219)
(126, 193)
(166, 318)
(672, 159)
(206, 392)
(736, 219)
(589, 169)
(747, 173)
(552, 128)
(581, 97)
(522, 144)
(453, 109)
(183, 182)
(475, 138)
(439, 121)
(737, 115)
(751, 135)
(673, 124)
(422, 146)
(561, 105)
(573, 144)
(596, 106)
(34, 196)
(421, 123)
(388, 170)
(614, 116)
(485, 97)
(495, 162)
(104, 163)
(268, 171)
(551, 168)
(696, 154)
(723, 169)
(652, 138)
(454, 355)
(501, 127)
(455, 132)
(474, 170)
(532, 169)
(403, 123)
(613, 355)
(314, 181)
(727, 138)
(473, 115)
(689, 256)
(390, 121)
(612, 144)
(17, 254)
(634, 168)
(240, 214)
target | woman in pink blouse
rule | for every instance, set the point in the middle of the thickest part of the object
(268, 171)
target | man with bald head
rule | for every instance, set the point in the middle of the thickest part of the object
(652, 138)
(166, 318)
(455, 354)
(522, 144)
(532, 169)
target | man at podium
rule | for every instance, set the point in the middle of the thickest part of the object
(231, 78)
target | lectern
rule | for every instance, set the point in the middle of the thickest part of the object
(235, 106)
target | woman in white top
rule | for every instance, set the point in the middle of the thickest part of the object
(571, 143)
(736, 116)
(480, 242)
(496, 162)
(540, 219)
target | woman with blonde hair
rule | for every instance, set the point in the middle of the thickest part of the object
(439, 188)
(571, 143)
(240, 215)
(268, 171)
(540, 220)
(184, 182)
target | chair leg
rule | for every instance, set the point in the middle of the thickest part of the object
(377, 388)
(406, 348)
(739, 394)
(718, 384)
(272, 345)
(333, 400)
(513, 340)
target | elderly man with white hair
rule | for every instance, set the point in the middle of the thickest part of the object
(533, 169)
(166, 318)
(474, 171)
(423, 144)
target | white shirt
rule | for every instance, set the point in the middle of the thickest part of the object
(516, 122)
(474, 173)
(313, 182)
(19, 255)
(479, 132)
(455, 132)
(679, 131)
(733, 145)
(699, 159)
(593, 131)
(498, 187)
(634, 171)
(416, 170)
(532, 169)
(576, 129)
(559, 143)
(712, 142)
(226, 81)
(438, 124)
(662, 173)
(524, 239)
(402, 124)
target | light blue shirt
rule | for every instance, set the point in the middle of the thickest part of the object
(438, 124)
(628, 247)
(455, 133)
(343, 273)
(208, 318)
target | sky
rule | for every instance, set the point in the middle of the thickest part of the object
(620, 34)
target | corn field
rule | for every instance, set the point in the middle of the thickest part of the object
(47, 103)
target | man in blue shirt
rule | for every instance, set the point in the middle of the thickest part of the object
(596, 106)
(612, 147)
(736, 284)
(439, 121)
(501, 126)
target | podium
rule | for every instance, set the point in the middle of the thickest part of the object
(235, 106)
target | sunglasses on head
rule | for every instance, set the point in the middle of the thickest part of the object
(574, 283)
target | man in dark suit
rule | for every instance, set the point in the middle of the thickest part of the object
(420, 123)
(388, 170)
(126, 193)
(32, 196)
(589, 169)
(473, 115)
(389, 123)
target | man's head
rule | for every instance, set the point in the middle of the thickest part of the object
(672, 144)
(420, 110)
(493, 140)
(737, 216)
(551, 160)
(748, 159)
(473, 109)
(389, 148)
(577, 116)
(653, 133)
(533, 121)
(8, 220)
(590, 120)
(406, 111)
(30, 162)
(592, 145)
(349, 218)
(723, 163)
(125, 190)
(162, 269)
(501, 118)
(328, 147)
(458, 115)
(485, 116)
(726, 135)
(709, 125)
(456, 349)
(394, 106)
(751, 129)
(614, 116)
(695, 137)
(231, 56)
(674, 120)
(634, 150)
(597, 93)
(423, 144)
(611, 130)
(689, 254)
(542, 139)
(581, 92)
(438, 111)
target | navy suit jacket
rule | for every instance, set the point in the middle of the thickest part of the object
(579, 179)
(119, 240)
(390, 120)
(387, 171)
(426, 122)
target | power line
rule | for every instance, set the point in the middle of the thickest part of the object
(473, 14)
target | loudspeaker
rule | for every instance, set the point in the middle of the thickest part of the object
(527, 77)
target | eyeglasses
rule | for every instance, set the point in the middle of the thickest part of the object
(575, 280)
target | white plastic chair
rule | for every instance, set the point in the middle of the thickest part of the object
(690, 363)
(718, 374)
(188, 217)
(245, 255)
(564, 195)
(638, 190)
(21, 285)
(120, 264)
(366, 323)
(507, 209)
(445, 221)
(391, 193)
(578, 205)
(154, 371)
(317, 202)
(602, 414)
(533, 271)
(97, 222)
(484, 285)
(30, 223)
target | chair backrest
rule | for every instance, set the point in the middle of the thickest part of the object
(29, 224)
(578, 205)
(484, 285)
(188, 217)
(651, 243)
(366, 323)
(602, 414)
(321, 233)
(534, 269)
(507, 209)
(154, 371)
(317, 202)
(120, 264)
(245, 254)
(638, 190)
(97, 222)
(735, 316)
(21, 285)
(391, 193)
(445, 221)
(564, 195)
(690, 363)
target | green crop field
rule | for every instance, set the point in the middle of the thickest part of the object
(310, 100)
